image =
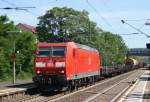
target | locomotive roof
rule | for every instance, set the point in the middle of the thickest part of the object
(80, 46)
(85, 47)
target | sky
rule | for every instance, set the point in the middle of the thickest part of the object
(106, 13)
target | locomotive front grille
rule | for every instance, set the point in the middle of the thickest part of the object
(49, 79)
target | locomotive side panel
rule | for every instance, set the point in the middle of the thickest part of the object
(85, 63)
(70, 60)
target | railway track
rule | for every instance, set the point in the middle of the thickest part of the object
(16, 92)
(88, 94)
(84, 93)
(104, 91)
(110, 93)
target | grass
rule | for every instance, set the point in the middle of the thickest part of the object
(20, 76)
(23, 76)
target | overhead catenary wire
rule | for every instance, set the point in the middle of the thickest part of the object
(107, 7)
(98, 13)
(8, 2)
(18, 8)
(136, 20)
(132, 34)
(139, 20)
(137, 29)
(123, 21)
(130, 20)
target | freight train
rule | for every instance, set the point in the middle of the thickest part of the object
(68, 65)
(131, 62)
(134, 63)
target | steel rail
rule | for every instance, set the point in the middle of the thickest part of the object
(105, 81)
(109, 88)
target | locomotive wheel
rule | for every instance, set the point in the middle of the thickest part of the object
(93, 79)
(69, 88)
(90, 80)
(75, 85)
(86, 82)
(79, 82)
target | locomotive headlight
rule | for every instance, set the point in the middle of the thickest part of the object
(38, 72)
(40, 64)
(60, 64)
(62, 71)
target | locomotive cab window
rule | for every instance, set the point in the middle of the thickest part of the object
(58, 51)
(43, 51)
(55, 51)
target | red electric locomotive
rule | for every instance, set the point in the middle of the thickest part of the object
(65, 64)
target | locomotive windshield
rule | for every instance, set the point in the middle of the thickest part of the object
(54, 51)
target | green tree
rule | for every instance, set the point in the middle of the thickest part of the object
(4, 66)
(77, 26)
(24, 43)
(111, 47)
(74, 24)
